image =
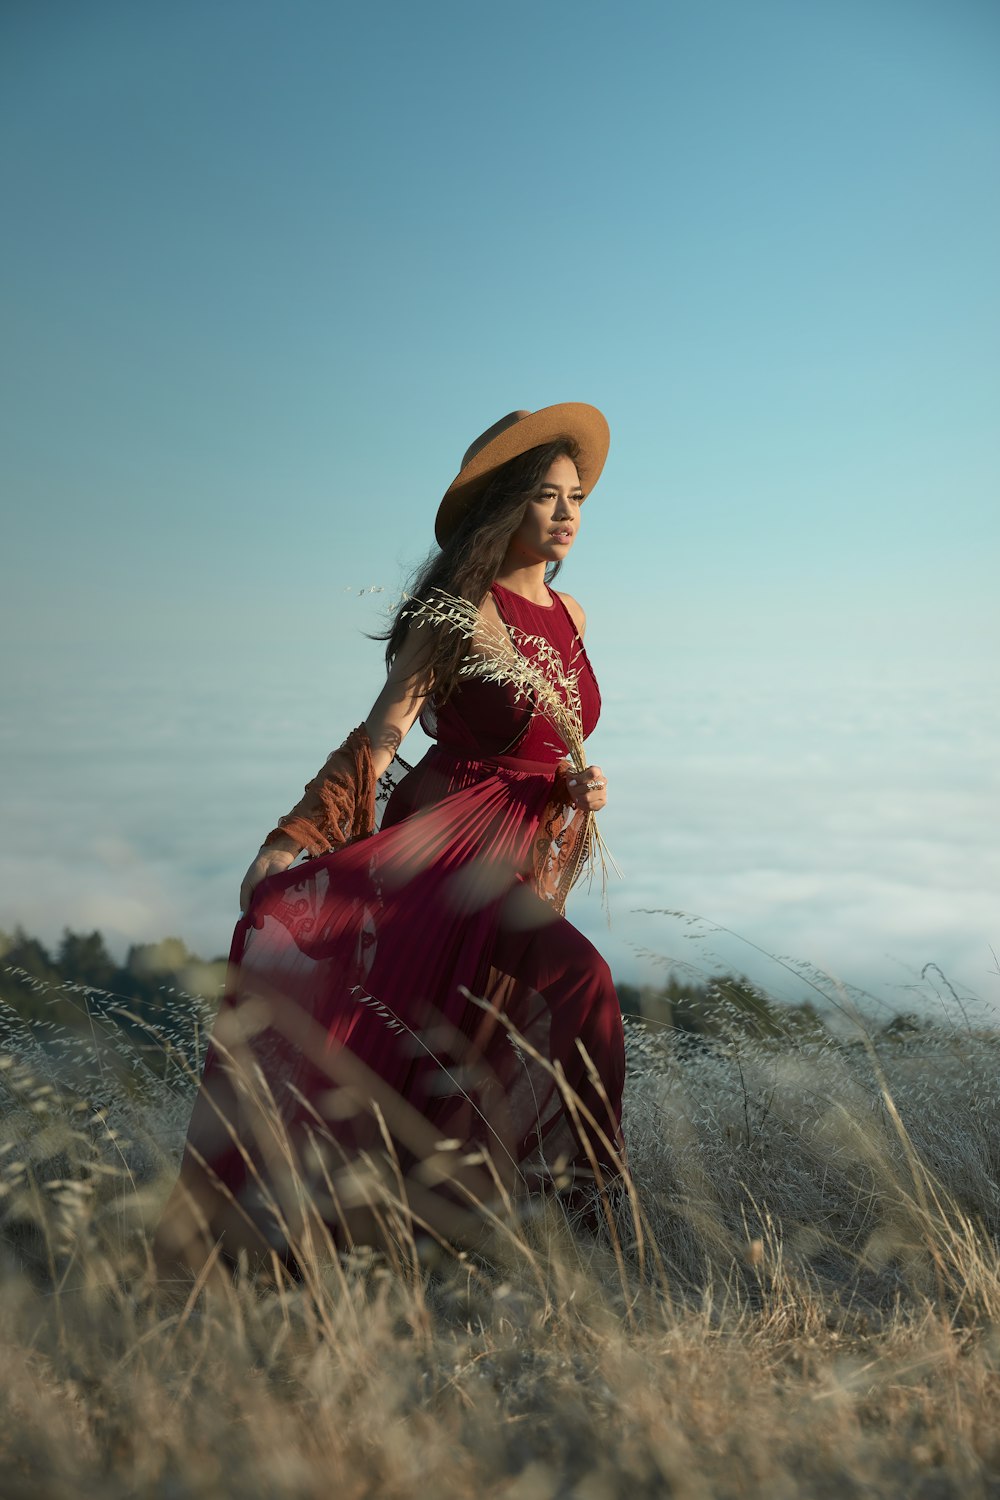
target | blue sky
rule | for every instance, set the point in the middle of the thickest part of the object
(268, 269)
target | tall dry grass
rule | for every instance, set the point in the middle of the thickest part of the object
(796, 1293)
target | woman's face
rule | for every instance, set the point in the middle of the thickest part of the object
(551, 517)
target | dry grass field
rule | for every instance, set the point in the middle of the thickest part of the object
(797, 1294)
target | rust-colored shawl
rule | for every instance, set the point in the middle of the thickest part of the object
(338, 807)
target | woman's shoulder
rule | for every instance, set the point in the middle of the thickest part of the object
(576, 612)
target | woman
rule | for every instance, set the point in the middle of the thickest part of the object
(405, 1009)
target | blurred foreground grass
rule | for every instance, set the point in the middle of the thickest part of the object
(800, 1297)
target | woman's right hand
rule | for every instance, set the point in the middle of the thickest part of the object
(268, 862)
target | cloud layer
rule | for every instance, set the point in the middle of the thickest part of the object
(850, 833)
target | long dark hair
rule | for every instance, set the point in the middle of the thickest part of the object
(470, 559)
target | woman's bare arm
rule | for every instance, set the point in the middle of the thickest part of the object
(398, 705)
(392, 716)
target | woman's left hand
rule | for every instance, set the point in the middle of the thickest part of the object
(588, 788)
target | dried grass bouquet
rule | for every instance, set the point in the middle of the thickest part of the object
(552, 692)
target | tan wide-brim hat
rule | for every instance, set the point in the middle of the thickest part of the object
(514, 435)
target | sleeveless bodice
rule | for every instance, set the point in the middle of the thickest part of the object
(482, 718)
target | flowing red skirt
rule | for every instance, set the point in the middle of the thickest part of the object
(407, 1006)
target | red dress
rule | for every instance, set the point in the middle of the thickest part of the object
(354, 982)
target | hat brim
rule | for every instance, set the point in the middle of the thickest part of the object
(573, 419)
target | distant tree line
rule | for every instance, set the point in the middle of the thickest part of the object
(36, 984)
(27, 969)
(700, 1011)
(67, 987)
(160, 1000)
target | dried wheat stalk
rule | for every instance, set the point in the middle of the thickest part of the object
(556, 694)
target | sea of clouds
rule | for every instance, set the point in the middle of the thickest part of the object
(847, 828)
